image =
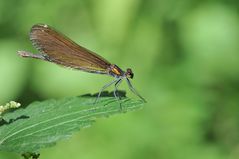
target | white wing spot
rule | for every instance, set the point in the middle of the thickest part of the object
(45, 26)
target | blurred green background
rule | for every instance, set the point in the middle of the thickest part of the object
(185, 56)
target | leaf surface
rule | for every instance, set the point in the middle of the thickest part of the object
(42, 124)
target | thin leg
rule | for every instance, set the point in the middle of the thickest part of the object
(134, 90)
(116, 86)
(104, 87)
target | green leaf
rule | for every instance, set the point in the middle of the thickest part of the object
(42, 124)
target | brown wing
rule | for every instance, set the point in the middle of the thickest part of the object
(59, 49)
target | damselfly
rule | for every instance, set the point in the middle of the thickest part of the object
(57, 48)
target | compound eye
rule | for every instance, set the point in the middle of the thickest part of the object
(130, 74)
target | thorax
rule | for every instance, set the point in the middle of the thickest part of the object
(115, 71)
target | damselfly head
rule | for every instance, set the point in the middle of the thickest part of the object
(129, 73)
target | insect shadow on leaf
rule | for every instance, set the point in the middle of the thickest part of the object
(121, 93)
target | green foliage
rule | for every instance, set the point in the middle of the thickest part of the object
(185, 58)
(42, 124)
